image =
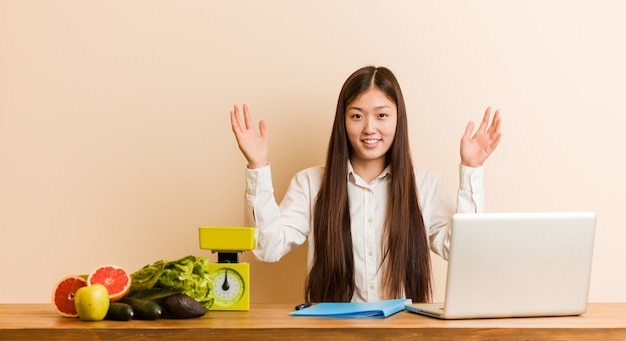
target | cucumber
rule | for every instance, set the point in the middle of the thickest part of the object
(143, 309)
(119, 312)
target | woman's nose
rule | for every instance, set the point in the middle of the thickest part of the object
(370, 126)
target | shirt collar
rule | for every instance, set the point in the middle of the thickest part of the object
(352, 175)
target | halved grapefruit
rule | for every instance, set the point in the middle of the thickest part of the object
(63, 295)
(114, 278)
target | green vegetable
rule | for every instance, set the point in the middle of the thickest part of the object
(143, 309)
(119, 312)
(188, 275)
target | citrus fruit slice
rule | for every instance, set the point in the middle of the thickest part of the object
(114, 278)
(63, 295)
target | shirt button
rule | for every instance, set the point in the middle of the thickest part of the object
(369, 220)
(370, 253)
(372, 286)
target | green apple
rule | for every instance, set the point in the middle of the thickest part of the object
(92, 302)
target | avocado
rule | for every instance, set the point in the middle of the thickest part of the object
(182, 306)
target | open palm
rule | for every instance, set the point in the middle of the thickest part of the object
(476, 148)
(255, 147)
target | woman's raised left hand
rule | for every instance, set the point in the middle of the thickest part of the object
(476, 148)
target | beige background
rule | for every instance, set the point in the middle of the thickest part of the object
(115, 143)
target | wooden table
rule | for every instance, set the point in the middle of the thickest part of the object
(602, 321)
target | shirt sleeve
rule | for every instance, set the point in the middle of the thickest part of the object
(438, 208)
(280, 228)
(471, 194)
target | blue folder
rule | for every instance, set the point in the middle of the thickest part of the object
(378, 309)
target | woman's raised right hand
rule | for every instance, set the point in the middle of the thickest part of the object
(255, 147)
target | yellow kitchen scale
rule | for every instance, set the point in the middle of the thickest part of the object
(231, 279)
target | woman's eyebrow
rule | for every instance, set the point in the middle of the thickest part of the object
(385, 106)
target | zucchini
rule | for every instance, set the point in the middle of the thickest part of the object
(119, 312)
(143, 309)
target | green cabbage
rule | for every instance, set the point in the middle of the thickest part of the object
(188, 275)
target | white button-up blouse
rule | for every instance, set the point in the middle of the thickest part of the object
(281, 228)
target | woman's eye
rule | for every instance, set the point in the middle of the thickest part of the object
(382, 115)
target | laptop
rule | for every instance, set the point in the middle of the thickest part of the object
(516, 265)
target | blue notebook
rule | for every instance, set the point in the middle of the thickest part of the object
(378, 309)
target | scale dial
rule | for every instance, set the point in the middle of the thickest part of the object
(228, 287)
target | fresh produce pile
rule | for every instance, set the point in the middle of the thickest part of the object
(188, 275)
(171, 289)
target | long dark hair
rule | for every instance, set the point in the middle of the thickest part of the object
(406, 256)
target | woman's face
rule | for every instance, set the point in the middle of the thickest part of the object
(371, 121)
